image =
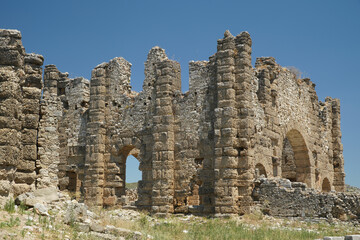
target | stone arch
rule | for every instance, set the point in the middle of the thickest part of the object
(115, 173)
(124, 153)
(260, 170)
(296, 165)
(326, 186)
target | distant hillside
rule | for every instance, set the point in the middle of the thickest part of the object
(352, 189)
(131, 185)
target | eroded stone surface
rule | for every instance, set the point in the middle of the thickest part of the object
(280, 197)
(199, 151)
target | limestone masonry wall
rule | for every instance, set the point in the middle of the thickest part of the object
(199, 151)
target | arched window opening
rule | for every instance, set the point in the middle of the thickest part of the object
(326, 187)
(295, 159)
(132, 173)
(260, 170)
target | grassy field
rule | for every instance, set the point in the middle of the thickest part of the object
(20, 223)
(246, 228)
(24, 224)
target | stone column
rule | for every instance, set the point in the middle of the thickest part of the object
(225, 129)
(11, 75)
(338, 158)
(168, 79)
(95, 148)
(245, 90)
(156, 54)
(31, 88)
(48, 140)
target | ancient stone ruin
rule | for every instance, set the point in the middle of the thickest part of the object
(199, 151)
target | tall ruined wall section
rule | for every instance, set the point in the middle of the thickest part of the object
(20, 91)
(74, 95)
(62, 130)
(289, 112)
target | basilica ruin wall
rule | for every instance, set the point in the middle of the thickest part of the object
(199, 151)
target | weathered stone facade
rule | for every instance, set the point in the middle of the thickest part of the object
(280, 197)
(199, 151)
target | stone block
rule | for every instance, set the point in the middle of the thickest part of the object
(352, 237)
(9, 89)
(30, 152)
(10, 107)
(96, 227)
(31, 121)
(31, 106)
(32, 92)
(11, 57)
(83, 227)
(110, 201)
(229, 162)
(25, 177)
(9, 155)
(334, 238)
(29, 136)
(26, 165)
(10, 122)
(21, 188)
(9, 137)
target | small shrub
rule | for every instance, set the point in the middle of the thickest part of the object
(23, 233)
(11, 223)
(143, 221)
(10, 206)
(22, 208)
(298, 74)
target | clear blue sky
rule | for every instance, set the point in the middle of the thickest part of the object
(321, 38)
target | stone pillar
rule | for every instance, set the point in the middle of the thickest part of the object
(338, 158)
(95, 148)
(245, 91)
(226, 160)
(156, 54)
(168, 79)
(31, 88)
(11, 75)
(48, 140)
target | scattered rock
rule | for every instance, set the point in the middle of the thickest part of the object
(83, 227)
(97, 227)
(43, 195)
(41, 209)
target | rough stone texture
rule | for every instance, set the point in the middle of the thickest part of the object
(48, 141)
(199, 151)
(20, 92)
(280, 197)
(75, 102)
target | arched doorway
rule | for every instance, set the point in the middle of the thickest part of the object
(260, 170)
(326, 186)
(295, 159)
(129, 154)
(115, 191)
